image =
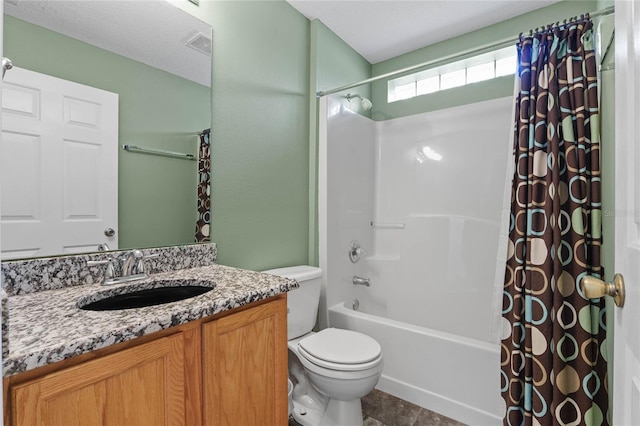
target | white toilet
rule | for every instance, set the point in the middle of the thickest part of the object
(331, 369)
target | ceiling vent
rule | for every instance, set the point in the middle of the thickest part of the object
(201, 43)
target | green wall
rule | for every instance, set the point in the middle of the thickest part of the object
(491, 89)
(157, 195)
(337, 64)
(260, 133)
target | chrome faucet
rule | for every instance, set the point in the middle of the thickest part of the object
(361, 281)
(132, 263)
(132, 268)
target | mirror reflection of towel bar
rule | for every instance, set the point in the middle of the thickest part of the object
(133, 148)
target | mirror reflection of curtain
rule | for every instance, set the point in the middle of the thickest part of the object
(203, 224)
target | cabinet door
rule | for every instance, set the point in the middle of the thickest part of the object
(143, 385)
(245, 367)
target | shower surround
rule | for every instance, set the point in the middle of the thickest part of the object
(425, 197)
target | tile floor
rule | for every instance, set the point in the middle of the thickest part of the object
(382, 409)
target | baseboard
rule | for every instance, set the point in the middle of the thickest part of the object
(438, 403)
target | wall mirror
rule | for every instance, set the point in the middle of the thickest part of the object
(156, 59)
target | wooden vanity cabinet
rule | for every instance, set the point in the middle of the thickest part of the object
(245, 367)
(137, 386)
(227, 369)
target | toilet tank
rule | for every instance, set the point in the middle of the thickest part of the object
(302, 302)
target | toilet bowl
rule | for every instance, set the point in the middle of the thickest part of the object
(330, 369)
(338, 368)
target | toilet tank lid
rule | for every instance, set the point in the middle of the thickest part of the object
(298, 273)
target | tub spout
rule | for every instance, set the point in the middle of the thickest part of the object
(361, 281)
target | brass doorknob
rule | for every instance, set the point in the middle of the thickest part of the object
(594, 288)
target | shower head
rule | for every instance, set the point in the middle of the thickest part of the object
(366, 103)
(6, 65)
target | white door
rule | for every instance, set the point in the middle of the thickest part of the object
(626, 389)
(59, 166)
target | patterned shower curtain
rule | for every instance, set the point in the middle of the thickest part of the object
(553, 359)
(203, 224)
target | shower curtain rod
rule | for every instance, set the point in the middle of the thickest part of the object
(489, 47)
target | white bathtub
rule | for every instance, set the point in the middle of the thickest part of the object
(451, 375)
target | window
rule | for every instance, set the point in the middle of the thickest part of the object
(428, 85)
(471, 70)
(405, 91)
(480, 72)
(452, 79)
(506, 66)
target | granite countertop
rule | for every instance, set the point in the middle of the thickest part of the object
(47, 326)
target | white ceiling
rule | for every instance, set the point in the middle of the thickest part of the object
(124, 27)
(382, 29)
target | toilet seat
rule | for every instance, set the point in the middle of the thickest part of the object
(341, 350)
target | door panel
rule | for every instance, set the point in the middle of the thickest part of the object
(626, 389)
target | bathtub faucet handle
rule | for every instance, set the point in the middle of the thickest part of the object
(361, 281)
(355, 251)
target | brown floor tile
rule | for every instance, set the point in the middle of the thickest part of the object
(390, 410)
(370, 421)
(429, 418)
